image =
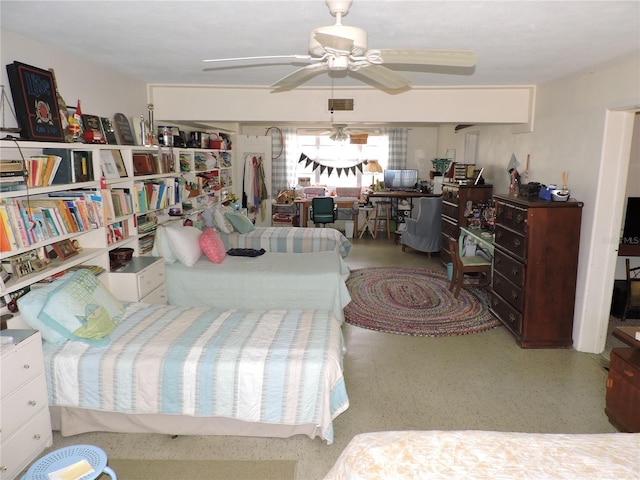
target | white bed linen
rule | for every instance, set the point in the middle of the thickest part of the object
(273, 280)
(427, 455)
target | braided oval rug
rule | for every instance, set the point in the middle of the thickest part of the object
(415, 301)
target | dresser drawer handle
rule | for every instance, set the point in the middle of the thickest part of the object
(26, 366)
(629, 373)
(497, 261)
(514, 295)
(494, 302)
(33, 403)
(496, 281)
(519, 218)
(498, 234)
(516, 243)
(37, 436)
(3, 468)
(512, 318)
(514, 271)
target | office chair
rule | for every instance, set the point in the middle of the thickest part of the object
(465, 265)
(323, 210)
(633, 289)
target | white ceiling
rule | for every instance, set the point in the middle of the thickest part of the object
(516, 42)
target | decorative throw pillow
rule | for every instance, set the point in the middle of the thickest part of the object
(82, 308)
(161, 246)
(184, 243)
(221, 221)
(30, 306)
(212, 245)
(240, 222)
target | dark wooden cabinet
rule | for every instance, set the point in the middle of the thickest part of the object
(454, 204)
(534, 269)
(623, 389)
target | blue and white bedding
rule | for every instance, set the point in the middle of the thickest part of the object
(270, 281)
(273, 367)
(290, 240)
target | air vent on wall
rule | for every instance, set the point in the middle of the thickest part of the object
(340, 104)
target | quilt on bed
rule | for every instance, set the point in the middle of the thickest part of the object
(273, 280)
(276, 367)
(290, 240)
(477, 454)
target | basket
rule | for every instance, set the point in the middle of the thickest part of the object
(120, 255)
(65, 457)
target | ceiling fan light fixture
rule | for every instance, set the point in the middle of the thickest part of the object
(339, 136)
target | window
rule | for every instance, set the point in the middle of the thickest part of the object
(322, 150)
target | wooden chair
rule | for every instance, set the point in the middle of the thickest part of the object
(466, 265)
(633, 289)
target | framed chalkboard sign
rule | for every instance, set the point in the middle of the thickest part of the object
(123, 127)
(35, 100)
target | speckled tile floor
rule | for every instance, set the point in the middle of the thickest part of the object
(395, 382)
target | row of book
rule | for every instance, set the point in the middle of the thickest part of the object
(12, 176)
(156, 195)
(118, 202)
(26, 222)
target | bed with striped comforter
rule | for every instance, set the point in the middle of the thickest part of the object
(290, 240)
(278, 367)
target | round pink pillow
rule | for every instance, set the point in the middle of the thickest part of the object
(212, 245)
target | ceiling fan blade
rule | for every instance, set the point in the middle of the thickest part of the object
(300, 76)
(453, 58)
(264, 57)
(334, 42)
(385, 77)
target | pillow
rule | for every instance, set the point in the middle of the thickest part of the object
(240, 222)
(82, 308)
(221, 221)
(30, 306)
(161, 246)
(184, 243)
(212, 245)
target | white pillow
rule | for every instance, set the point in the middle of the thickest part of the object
(184, 242)
(161, 246)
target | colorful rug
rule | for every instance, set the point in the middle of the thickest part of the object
(415, 301)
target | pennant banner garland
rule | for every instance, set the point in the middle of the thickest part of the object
(339, 170)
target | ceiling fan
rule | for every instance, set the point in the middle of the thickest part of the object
(341, 132)
(340, 47)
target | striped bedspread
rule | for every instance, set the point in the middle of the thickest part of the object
(276, 367)
(290, 240)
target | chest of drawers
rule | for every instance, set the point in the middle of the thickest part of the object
(25, 424)
(142, 280)
(534, 269)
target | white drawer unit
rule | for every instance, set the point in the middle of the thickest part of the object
(25, 424)
(142, 280)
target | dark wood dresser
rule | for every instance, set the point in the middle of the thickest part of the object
(534, 269)
(454, 203)
(623, 382)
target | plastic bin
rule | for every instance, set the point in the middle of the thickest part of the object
(348, 228)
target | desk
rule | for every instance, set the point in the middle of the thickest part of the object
(623, 382)
(305, 203)
(395, 196)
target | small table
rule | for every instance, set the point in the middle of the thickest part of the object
(623, 382)
(369, 213)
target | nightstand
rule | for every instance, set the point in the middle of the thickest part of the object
(24, 411)
(141, 280)
(623, 382)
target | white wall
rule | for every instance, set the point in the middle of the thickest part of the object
(102, 92)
